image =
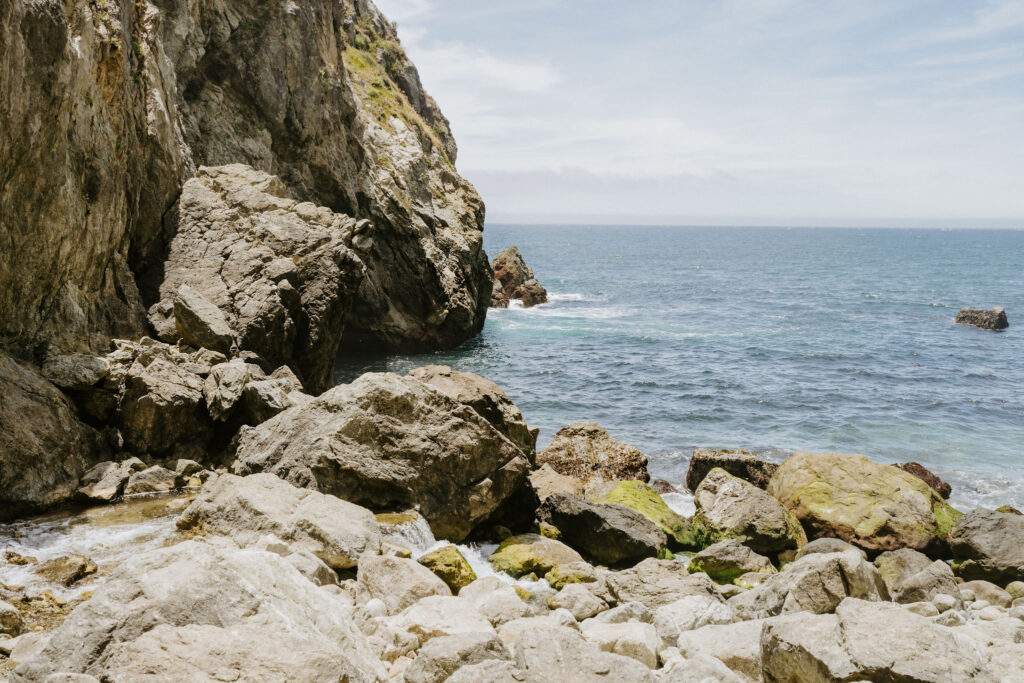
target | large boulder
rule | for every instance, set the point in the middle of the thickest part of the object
(989, 545)
(76, 370)
(251, 267)
(585, 449)
(106, 481)
(738, 462)
(730, 508)
(876, 507)
(513, 279)
(44, 448)
(728, 560)
(532, 554)
(397, 581)
(196, 611)
(870, 641)
(608, 533)
(391, 443)
(815, 583)
(246, 508)
(640, 497)
(486, 398)
(992, 319)
(654, 583)
(557, 653)
(162, 406)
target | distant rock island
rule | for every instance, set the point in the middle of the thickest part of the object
(513, 279)
(992, 319)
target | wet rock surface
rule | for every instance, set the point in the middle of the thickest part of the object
(992, 319)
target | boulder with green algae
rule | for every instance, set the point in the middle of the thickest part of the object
(450, 566)
(639, 497)
(728, 560)
(731, 508)
(872, 506)
(572, 572)
(67, 569)
(531, 554)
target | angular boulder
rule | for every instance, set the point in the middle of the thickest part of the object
(206, 612)
(989, 545)
(557, 653)
(688, 614)
(730, 508)
(246, 508)
(640, 497)
(44, 448)
(486, 398)
(391, 443)
(441, 657)
(728, 560)
(609, 534)
(398, 582)
(106, 481)
(585, 449)
(513, 279)
(738, 462)
(251, 267)
(875, 507)
(532, 554)
(654, 583)
(992, 319)
(155, 479)
(449, 565)
(75, 371)
(162, 406)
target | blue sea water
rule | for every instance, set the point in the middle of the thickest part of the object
(772, 338)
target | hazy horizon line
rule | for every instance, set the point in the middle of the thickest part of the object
(1011, 224)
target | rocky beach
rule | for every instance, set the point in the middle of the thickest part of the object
(206, 209)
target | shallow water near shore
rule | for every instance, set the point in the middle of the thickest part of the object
(771, 338)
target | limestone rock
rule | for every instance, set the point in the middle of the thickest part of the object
(433, 617)
(737, 462)
(558, 653)
(634, 640)
(873, 506)
(736, 645)
(571, 572)
(989, 545)
(155, 479)
(513, 279)
(450, 566)
(728, 560)
(731, 508)
(610, 534)
(75, 371)
(493, 671)
(44, 448)
(546, 481)
(698, 669)
(640, 497)
(585, 449)
(531, 554)
(198, 611)
(828, 545)
(992, 319)
(486, 398)
(896, 566)
(106, 481)
(815, 583)
(66, 570)
(437, 660)
(162, 406)
(987, 591)
(11, 621)
(927, 476)
(390, 442)
(911, 577)
(399, 582)
(200, 323)
(869, 641)
(687, 614)
(654, 583)
(245, 508)
(580, 602)
(497, 601)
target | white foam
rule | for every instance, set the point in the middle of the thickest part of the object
(680, 503)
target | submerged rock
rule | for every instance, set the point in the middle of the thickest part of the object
(513, 279)
(873, 506)
(608, 533)
(989, 545)
(585, 449)
(992, 319)
(389, 442)
(737, 462)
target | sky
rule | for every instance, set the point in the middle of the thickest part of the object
(749, 112)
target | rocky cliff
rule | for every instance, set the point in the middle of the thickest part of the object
(110, 107)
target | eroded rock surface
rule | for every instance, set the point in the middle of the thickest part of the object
(585, 449)
(513, 279)
(992, 319)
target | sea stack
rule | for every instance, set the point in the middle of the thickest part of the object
(992, 319)
(513, 279)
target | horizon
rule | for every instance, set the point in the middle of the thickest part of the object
(774, 112)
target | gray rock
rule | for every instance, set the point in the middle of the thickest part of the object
(828, 545)
(585, 449)
(580, 602)
(559, 653)
(433, 617)
(729, 507)
(850, 645)
(161, 405)
(728, 560)
(75, 371)
(44, 448)
(25, 647)
(106, 481)
(654, 583)
(397, 581)
(224, 386)
(391, 442)
(896, 566)
(738, 462)
(688, 614)
(494, 671)
(989, 545)
(928, 584)
(437, 660)
(989, 592)
(816, 583)
(11, 621)
(736, 645)
(246, 508)
(198, 611)
(313, 568)
(154, 479)
(486, 398)
(496, 600)
(992, 319)
(698, 669)
(631, 639)
(607, 533)
(199, 323)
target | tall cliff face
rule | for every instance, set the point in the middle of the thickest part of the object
(111, 106)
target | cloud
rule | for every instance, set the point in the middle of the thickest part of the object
(451, 63)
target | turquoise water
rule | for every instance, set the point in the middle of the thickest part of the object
(776, 339)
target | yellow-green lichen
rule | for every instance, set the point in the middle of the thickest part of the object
(640, 497)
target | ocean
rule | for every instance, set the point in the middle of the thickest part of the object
(774, 339)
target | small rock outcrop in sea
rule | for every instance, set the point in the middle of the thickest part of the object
(513, 279)
(585, 449)
(391, 443)
(992, 319)
(737, 462)
(927, 476)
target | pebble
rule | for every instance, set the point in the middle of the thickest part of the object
(991, 613)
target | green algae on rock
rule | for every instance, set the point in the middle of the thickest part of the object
(728, 560)
(531, 554)
(873, 506)
(450, 566)
(639, 497)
